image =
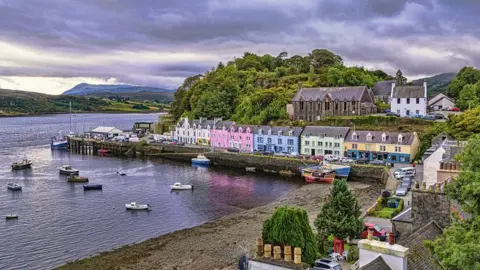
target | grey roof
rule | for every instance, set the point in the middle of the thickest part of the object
(408, 91)
(405, 215)
(438, 98)
(419, 256)
(325, 130)
(392, 137)
(206, 123)
(275, 129)
(377, 264)
(383, 88)
(236, 127)
(220, 124)
(335, 93)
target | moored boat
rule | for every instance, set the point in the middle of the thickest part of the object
(201, 160)
(77, 178)
(68, 170)
(103, 151)
(13, 186)
(178, 186)
(341, 171)
(137, 206)
(59, 143)
(24, 164)
(92, 187)
(250, 169)
(11, 216)
(122, 173)
(320, 174)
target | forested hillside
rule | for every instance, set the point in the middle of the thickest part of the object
(465, 88)
(436, 84)
(255, 89)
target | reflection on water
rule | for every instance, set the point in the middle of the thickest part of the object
(59, 221)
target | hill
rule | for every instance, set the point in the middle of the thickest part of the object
(121, 90)
(15, 102)
(436, 84)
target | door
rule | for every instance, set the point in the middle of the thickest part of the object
(313, 152)
(328, 152)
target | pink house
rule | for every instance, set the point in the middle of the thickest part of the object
(220, 134)
(241, 137)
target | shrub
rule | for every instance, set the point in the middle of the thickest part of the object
(353, 254)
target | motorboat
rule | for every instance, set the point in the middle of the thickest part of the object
(178, 186)
(137, 206)
(11, 217)
(122, 173)
(201, 160)
(250, 169)
(341, 171)
(13, 186)
(77, 178)
(321, 174)
(68, 170)
(59, 143)
(24, 164)
(103, 151)
(92, 187)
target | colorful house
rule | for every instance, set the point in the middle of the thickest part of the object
(220, 134)
(241, 137)
(277, 139)
(323, 140)
(379, 145)
(185, 131)
(202, 130)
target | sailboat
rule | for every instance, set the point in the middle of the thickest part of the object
(61, 142)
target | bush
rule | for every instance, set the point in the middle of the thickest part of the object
(353, 254)
(140, 107)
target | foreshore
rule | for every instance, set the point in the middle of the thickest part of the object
(217, 244)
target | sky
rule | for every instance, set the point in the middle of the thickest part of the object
(50, 46)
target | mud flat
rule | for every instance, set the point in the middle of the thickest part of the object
(217, 244)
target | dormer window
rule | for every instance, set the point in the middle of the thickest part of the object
(232, 129)
(354, 136)
(400, 138)
(269, 132)
(260, 132)
(384, 137)
(290, 133)
(240, 130)
(321, 135)
(369, 137)
(279, 133)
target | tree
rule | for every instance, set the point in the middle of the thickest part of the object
(467, 75)
(468, 97)
(320, 58)
(462, 126)
(340, 215)
(290, 226)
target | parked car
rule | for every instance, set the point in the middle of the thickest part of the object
(414, 115)
(377, 231)
(429, 117)
(401, 191)
(280, 154)
(166, 142)
(233, 150)
(393, 114)
(362, 161)
(267, 153)
(437, 115)
(292, 154)
(180, 143)
(454, 109)
(407, 185)
(323, 264)
(346, 160)
(317, 158)
(377, 162)
(331, 157)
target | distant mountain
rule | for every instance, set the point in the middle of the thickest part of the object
(436, 84)
(124, 90)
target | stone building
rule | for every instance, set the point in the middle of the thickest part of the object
(312, 104)
(382, 91)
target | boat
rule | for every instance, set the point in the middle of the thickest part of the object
(103, 151)
(122, 173)
(178, 186)
(13, 186)
(11, 216)
(287, 172)
(92, 187)
(250, 169)
(61, 142)
(341, 171)
(201, 160)
(68, 170)
(136, 206)
(320, 174)
(24, 164)
(77, 178)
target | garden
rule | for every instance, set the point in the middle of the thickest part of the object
(386, 206)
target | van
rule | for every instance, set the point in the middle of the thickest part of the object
(406, 170)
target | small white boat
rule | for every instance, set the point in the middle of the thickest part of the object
(13, 186)
(24, 164)
(201, 160)
(250, 169)
(11, 216)
(68, 170)
(178, 186)
(137, 206)
(122, 173)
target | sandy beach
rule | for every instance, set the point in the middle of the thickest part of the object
(217, 244)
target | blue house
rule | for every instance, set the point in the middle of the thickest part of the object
(277, 139)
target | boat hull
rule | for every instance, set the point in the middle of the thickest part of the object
(329, 178)
(138, 207)
(21, 167)
(11, 217)
(63, 172)
(59, 145)
(92, 187)
(201, 162)
(15, 188)
(77, 179)
(341, 171)
(186, 187)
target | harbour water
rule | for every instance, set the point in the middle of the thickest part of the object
(59, 221)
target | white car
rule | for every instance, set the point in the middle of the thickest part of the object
(401, 191)
(331, 158)
(346, 160)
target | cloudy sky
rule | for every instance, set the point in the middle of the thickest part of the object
(50, 46)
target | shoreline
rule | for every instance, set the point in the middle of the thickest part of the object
(89, 112)
(216, 244)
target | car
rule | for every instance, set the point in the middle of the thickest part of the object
(180, 143)
(362, 161)
(404, 174)
(414, 115)
(377, 162)
(346, 160)
(317, 158)
(437, 115)
(406, 179)
(429, 117)
(377, 231)
(329, 157)
(401, 191)
(279, 154)
(267, 153)
(324, 264)
(233, 150)
(454, 109)
(292, 154)
(406, 185)
(393, 114)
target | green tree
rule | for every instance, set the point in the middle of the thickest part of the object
(321, 58)
(340, 215)
(467, 75)
(462, 126)
(468, 97)
(290, 226)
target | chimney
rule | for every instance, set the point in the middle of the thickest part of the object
(370, 234)
(425, 87)
(393, 254)
(216, 120)
(391, 91)
(391, 238)
(300, 86)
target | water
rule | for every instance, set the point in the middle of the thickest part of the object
(59, 222)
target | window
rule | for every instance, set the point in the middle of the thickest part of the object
(231, 137)
(337, 153)
(369, 137)
(269, 140)
(269, 132)
(248, 138)
(307, 142)
(280, 149)
(260, 132)
(289, 149)
(240, 137)
(290, 133)
(417, 111)
(336, 106)
(408, 112)
(344, 106)
(260, 139)
(300, 117)
(408, 100)
(354, 136)
(301, 105)
(398, 101)
(279, 141)
(383, 148)
(400, 138)
(280, 133)
(398, 112)
(320, 143)
(337, 137)
(330, 144)
(327, 106)
(418, 100)
(336, 145)
(354, 146)
(290, 141)
(398, 149)
(367, 147)
(321, 136)
(307, 150)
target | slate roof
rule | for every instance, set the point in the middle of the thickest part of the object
(392, 137)
(326, 131)
(383, 88)
(102, 129)
(419, 256)
(275, 129)
(206, 123)
(335, 93)
(227, 124)
(377, 264)
(405, 215)
(408, 91)
(236, 127)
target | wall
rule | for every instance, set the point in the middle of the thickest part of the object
(443, 175)
(369, 173)
(412, 107)
(431, 165)
(430, 205)
(285, 146)
(256, 265)
(320, 150)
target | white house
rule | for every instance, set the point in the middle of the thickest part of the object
(106, 132)
(440, 102)
(185, 131)
(407, 99)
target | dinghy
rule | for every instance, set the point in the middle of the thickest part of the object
(68, 170)
(13, 186)
(24, 164)
(137, 206)
(178, 186)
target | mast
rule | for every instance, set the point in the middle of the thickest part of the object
(70, 105)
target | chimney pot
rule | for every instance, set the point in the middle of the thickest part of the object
(277, 253)
(391, 238)
(268, 251)
(370, 233)
(288, 253)
(297, 252)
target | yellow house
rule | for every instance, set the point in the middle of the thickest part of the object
(393, 147)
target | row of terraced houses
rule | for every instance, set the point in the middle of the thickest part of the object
(393, 147)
